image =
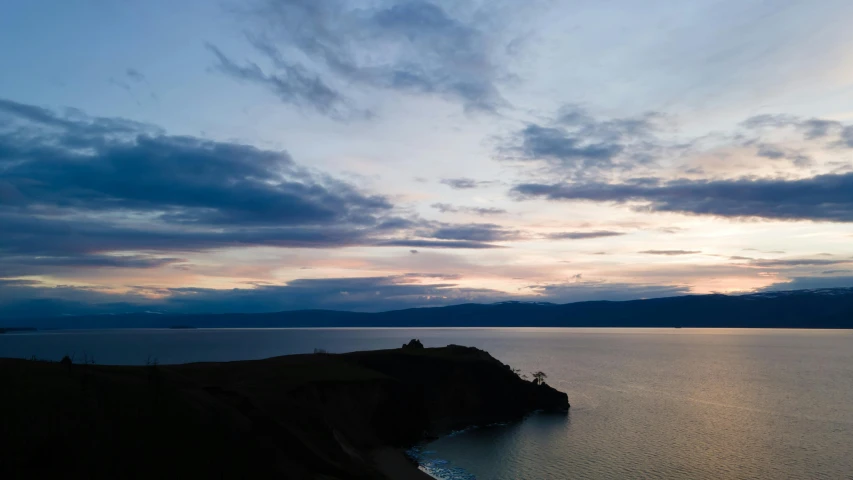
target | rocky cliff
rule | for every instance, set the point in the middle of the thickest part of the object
(301, 417)
(462, 386)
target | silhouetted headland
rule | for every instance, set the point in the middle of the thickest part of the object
(329, 416)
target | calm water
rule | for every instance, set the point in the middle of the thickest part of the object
(699, 404)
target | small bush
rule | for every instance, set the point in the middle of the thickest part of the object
(87, 360)
(539, 377)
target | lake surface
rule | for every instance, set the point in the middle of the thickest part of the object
(646, 403)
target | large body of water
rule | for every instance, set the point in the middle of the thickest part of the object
(676, 403)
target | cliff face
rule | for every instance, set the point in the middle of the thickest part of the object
(299, 417)
(463, 386)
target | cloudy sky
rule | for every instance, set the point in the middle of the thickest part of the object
(267, 155)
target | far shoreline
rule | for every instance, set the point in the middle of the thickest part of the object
(797, 309)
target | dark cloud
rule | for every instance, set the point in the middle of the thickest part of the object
(612, 130)
(478, 232)
(30, 265)
(448, 208)
(824, 197)
(74, 129)
(797, 262)
(443, 276)
(817, 128)
(464, 244)
(556, 144)
(847, 136)
(407, 46)
(670, 252)
(463, 183)
(134, 75)
(833, 131)
(774, 152)
(56, 236)
(17, 282)
(576, 142)
(454, 235)
(577, 145)
(291, 83)
(811, 283)
(768, 151)
(835, 272)
(483, 210)
(187, 181)
(396, 223)
(781, 252)
(812, 128)
(58, 167)
(445, 207)
(584, 235)
(76, 190)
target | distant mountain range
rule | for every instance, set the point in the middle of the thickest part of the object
(824, 308)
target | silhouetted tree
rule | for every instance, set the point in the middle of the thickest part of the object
(539, 377)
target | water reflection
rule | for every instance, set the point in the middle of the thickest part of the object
(706, 406)
(501, 451)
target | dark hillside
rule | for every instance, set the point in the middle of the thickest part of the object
(298, 417)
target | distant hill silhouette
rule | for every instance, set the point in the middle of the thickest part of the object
(824, 308)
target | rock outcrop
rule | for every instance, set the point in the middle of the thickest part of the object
(461, 387)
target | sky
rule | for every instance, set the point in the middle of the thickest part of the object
(269, 155)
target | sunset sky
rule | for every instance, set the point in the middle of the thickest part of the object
(264, 155)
